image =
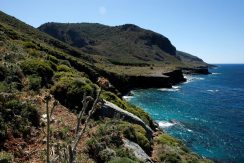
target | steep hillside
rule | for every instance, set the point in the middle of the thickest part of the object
(39, 73)
(118, 43)
(127, 46)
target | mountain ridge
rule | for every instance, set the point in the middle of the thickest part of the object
(126, 44)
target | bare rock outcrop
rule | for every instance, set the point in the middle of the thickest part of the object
(111, 110)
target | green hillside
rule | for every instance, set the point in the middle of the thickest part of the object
(131, 48)
(40, 73)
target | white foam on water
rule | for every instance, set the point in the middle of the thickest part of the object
(190, 78)
(216, 73)
(197, 78)
(213, 90)
(176, 87)
(165, 124)
(127, 97)
(173, 89)
(168, 89)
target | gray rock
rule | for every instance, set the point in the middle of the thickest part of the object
(137, 150)
(111, 110)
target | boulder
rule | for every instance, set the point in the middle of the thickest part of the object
(137, 150)
(111, 110)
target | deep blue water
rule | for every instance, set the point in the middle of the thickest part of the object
(206, 112)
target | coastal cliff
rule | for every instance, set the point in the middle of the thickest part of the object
(197, 70)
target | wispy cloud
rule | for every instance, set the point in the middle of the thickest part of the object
(102, 10)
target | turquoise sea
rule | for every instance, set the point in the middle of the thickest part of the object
(206, 112)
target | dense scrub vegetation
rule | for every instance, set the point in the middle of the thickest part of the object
(17, 116)
(106, 143)
(168, 149)
(69, 90)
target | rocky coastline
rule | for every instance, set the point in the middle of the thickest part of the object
(124, 84)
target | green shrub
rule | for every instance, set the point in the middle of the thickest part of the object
(63, 74)
(19, 116)
(52, 59)
(6, 157)
(109, 96)
(3, 72)
(30, 112)
(94, 146)
(170, 158)
(122, 160)
(38, 67)
(3, 87)
(125, 152)
(35, 82)
(106, 144)
(107, 138)
(64, 68)
(136, 134)
(52, 65)
(11, 77)
(169, 149)
(107, 154)
(169, 140)
(30, 45)
(69, 91)
(34, 52)
(21, 126)
(65, 62)
(3, 129)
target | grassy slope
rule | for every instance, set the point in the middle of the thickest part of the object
(32, 64)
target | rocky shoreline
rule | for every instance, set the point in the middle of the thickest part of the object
(124, 84)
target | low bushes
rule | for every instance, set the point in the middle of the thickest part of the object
(6, 157)
(39, 68)
(107, 145)
(64, 68)
(30, 45)
(166, 139)
(18, 116)
(10, 77)
(35, 82)
(136, 134)
(170, 158)
(3, 129)
(122, 159)
(70, 90)
(168, 149)
(3, 72)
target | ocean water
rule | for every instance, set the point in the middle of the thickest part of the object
(206, 112)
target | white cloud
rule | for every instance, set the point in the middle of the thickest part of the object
(102, 11)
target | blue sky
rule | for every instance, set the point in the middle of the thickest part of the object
(210, 29)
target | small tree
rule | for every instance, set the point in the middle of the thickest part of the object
(49, 116)
(68, 153)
